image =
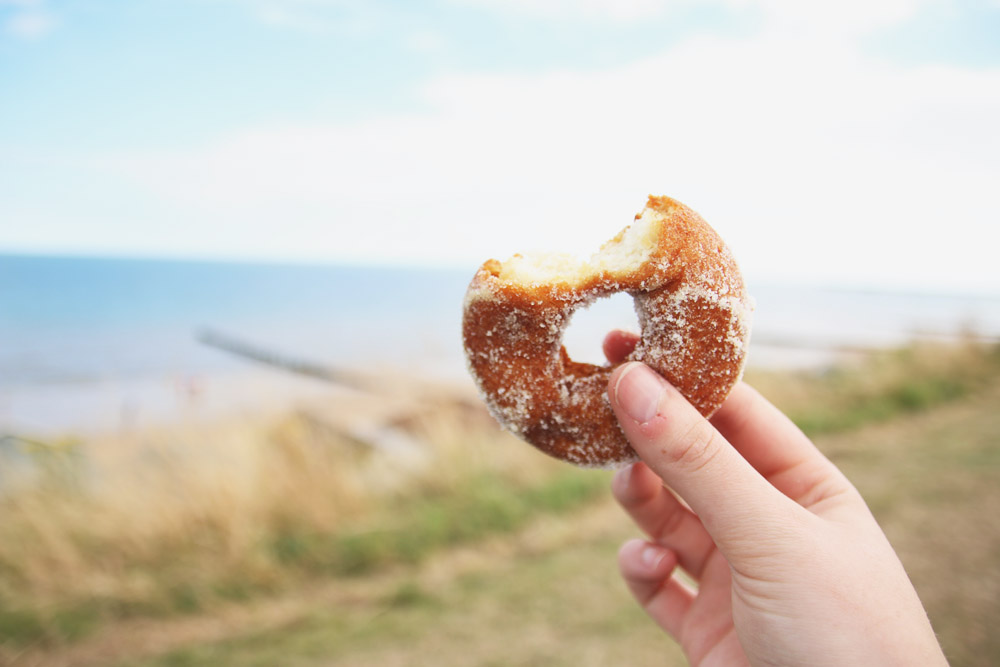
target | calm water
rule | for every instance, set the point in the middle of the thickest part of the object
(64, 319)
(78, 335)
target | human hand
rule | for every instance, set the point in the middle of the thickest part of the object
(790, 566)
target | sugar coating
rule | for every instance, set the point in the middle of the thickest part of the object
(692, 307)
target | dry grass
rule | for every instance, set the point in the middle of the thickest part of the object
(551, 595)
(156, 524)
(295, 541)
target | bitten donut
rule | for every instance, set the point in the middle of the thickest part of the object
(692, 308)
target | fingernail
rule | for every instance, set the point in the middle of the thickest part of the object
(623, 476)
(650, 556)
(638, 391)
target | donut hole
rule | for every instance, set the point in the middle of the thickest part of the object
(587, 328)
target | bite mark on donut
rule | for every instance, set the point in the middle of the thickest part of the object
(693, 311)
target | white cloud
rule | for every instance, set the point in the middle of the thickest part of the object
(285, 17)
(850, 16)
(30, 19)
(617, 10)
(426, 41)
(814, 162)
(324, 17)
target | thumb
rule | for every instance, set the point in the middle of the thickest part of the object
(737, 506)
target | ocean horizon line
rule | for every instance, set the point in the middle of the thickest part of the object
(450, 266)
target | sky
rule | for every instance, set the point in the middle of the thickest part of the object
(854, 143)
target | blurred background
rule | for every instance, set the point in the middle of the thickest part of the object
(235, 421)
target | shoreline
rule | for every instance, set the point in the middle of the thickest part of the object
(124, 405)
(120, 405)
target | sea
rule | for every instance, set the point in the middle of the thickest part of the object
(90, 344)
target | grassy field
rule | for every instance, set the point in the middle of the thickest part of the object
(294, 544)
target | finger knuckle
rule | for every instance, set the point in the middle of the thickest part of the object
(696, 448)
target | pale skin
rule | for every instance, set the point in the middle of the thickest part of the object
(790, 567)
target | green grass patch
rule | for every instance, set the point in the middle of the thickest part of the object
(888, 385)
(21, 627)
(416, 527)
(410, 594)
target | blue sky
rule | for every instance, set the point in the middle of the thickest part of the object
(852, 144)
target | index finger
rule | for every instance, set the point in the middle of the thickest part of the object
(695, 460)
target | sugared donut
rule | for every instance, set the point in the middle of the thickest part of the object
(692, 307)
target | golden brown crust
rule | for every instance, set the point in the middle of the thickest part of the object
(692, 308)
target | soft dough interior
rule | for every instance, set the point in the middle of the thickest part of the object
(621, 255)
